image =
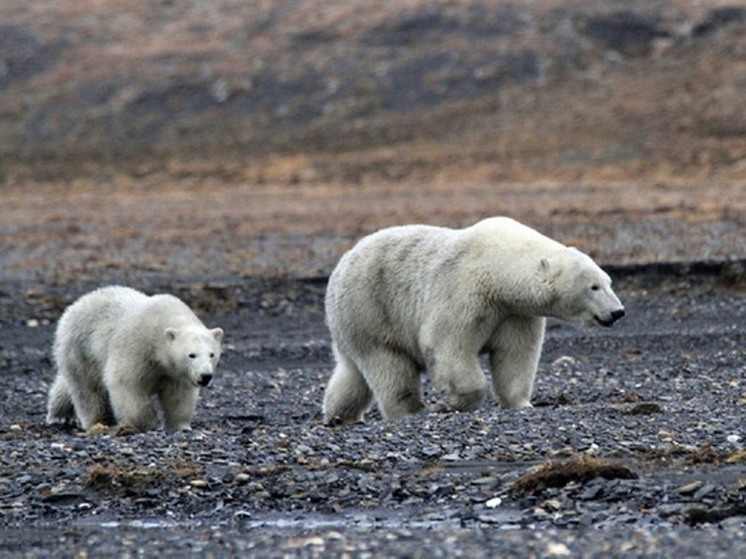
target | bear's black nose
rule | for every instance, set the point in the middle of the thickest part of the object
(616, 315)
(204, 380)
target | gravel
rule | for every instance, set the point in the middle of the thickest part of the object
(647, 418)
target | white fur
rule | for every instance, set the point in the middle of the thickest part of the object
(414, 298)
(115, 348)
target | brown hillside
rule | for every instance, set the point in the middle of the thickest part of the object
(514, 88)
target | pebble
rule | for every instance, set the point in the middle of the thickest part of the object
(557, 550)
(242, 478)
(689, 488)
(704, 491)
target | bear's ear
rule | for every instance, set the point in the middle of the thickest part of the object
(217, 333)
(549, 269)
(170, 334)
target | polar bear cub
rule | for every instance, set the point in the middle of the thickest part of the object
(115, 348)
(414, 298)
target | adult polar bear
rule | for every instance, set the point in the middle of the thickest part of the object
(418, 297)
(116, 347)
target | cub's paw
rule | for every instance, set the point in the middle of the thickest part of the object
(439, 407)
(124, 430)
(98, 429)
(336, 421)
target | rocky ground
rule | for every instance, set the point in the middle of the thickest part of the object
(635, 446)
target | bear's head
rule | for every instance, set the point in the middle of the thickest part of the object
(193, 353)
(581, 291)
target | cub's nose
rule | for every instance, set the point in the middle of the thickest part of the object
(617, 314)
(204, 379)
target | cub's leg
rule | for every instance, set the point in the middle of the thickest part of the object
(130, 400)
(90, 399)
(514, 358)
(178, 400)
(347, 395)
(60, 407)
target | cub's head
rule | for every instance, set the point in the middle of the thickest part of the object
(581, 291)
(193, 353)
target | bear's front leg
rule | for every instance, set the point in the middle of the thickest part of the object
(179, 401)
(514, 358)
(132, 405)
(395, 381)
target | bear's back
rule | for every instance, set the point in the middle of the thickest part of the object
(386, 261)
(89, 324)
(169, 310)
(511, 235)
(142, 324)
(382, 281)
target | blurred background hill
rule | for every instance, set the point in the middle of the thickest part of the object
(356, 89)
(232, 137)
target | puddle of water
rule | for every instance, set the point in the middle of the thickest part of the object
(507, 518)
(152, 523)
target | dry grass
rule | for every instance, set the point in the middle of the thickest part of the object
(195, 225)
(578, 469)
(123, 480)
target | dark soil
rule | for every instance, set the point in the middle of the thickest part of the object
(634, 446)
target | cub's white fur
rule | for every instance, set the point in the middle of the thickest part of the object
(115, 348)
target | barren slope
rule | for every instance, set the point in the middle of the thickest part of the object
(511, 89)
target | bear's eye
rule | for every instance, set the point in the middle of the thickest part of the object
(212, 354)
(595, 287)
(192, 356)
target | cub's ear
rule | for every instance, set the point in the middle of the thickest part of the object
(170, 334)
(217, 333)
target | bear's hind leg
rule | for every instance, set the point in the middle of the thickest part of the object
(60, 407)
(347, 395)
(514, 358)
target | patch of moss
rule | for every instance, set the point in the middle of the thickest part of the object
(675, 454)
(737, 457)
(578, 468)
(645, 408)
(116, 480)
(119, 481)
(700, 515)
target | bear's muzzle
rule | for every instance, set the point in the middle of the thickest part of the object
(612, 318)
(204, 379)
